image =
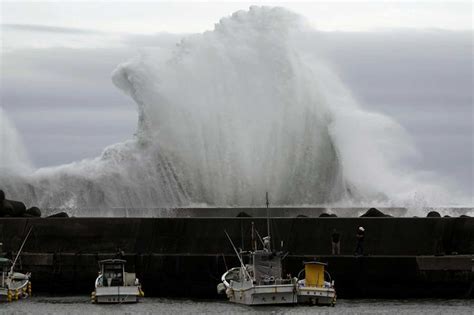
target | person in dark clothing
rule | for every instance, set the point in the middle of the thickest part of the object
(336, 241)
(360, 241)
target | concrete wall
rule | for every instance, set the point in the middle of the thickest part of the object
(301, 236)
(186, 256)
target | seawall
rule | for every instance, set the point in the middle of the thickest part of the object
(404, 257)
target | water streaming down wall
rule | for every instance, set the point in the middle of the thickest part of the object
(230, 114)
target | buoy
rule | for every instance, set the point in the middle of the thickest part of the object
(9, 296)
(17, 294)
(29, 288)
(93, 297)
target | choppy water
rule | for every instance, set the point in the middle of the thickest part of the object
(81, 305)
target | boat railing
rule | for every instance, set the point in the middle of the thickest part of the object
(273, 280)
(327, 275)
(99, 281)
(284, 281)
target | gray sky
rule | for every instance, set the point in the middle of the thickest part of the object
(411, 61)
(148, 17)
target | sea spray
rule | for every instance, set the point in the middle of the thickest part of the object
(14, 160)
(232, 113)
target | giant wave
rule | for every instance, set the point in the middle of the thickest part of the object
(231, 113)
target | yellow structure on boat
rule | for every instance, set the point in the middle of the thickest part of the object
(314, 289)
(314, 274)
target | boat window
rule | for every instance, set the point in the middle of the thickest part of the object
(114, 274)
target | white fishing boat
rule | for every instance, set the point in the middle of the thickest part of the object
(314, 289)
(260, 282)
(13, 285)
(115, 285)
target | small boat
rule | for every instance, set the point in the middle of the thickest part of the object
(13, 285)
(114, 285)
(260, 282)
(314, 289)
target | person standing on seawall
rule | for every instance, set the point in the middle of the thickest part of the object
(360, 241)
(336, 242)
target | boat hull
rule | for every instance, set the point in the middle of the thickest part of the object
(18, 291)
(121, 294)
(3, 295)
(14, 287)
(263, 295)
(316, 296)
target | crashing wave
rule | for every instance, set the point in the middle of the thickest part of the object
(232, 113)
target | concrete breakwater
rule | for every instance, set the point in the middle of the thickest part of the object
(405, 257)
(14, 208)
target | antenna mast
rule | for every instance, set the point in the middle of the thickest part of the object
(268, 215)
(19, 252)
(238, 256)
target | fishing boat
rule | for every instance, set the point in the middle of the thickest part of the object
(13, 285)
(115, 285)
(260, 282)
(314, 289)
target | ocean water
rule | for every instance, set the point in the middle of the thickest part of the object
(81, 305)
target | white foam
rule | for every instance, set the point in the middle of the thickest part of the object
(13, 156)
(235, 112)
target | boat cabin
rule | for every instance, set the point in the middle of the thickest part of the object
(267, 267)
(5, 265)
(314, 273)
(113, 272)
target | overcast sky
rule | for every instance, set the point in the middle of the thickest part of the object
(411, 61)
(148, 17)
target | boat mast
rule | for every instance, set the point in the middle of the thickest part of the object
(238, 256)
(268, 215)
(254, 241)
(19, 252)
